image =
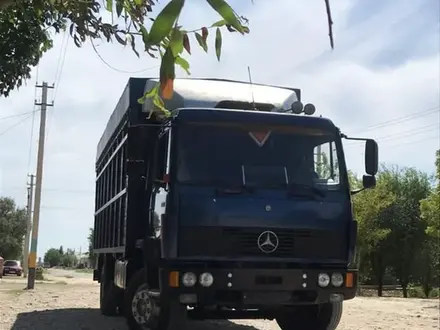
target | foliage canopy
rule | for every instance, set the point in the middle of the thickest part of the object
(26, 26)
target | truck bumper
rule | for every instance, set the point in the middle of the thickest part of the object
(258, 287)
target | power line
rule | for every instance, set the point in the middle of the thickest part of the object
(417, 131)
(118, 70)
(413, 142)
(398, 120)
(32, 125)
(61, 61)
(17, 115)
(398, 135)
(57, 78)
(15, 125)
(58, 190)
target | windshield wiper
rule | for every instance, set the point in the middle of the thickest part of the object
(302, 189)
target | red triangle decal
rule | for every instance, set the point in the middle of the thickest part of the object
(260, 137)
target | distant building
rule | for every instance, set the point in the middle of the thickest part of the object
(83, 259)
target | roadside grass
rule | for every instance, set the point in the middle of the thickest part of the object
(84, 270)
(413, 292)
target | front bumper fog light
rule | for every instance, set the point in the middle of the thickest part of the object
(337, 280)
(323, 280)
(189, 279)
(206, 280)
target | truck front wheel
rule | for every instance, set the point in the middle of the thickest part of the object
(142, 309)
(317, 317)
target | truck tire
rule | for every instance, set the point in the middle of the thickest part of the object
(143, 311)
(107, 295)
(317, 317)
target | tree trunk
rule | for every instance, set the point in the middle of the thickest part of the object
(405, 290)
(380, 285)
(377, 265)
(358, 262)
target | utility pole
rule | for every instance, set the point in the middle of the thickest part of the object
(36, 218)
(28, 228)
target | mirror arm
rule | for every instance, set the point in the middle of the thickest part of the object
(353, 139)
(354, 192)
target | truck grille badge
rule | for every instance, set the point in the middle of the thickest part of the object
(268, 241)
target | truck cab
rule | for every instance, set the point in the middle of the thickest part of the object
(240, 207)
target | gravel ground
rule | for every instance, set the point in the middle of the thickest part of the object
(69, 301)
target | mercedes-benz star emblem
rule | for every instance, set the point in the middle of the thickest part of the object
(268, 241)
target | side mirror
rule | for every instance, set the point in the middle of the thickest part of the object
(371, 157)
(368, 181)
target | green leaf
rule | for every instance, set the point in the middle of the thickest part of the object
(109, 5)
(202, 42)
(144, 34)
(119, 7)
(176, 42)
(151, 93)
(133, 45)
(219, 23)
(183, 64)
(164, 21)
(119, 38)
(225, 11)
(218, 43)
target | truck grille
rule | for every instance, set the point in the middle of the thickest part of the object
(245, 242)
(236, 242)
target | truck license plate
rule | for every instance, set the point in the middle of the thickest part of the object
(271, 297)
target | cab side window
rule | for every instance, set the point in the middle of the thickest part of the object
(160, 193)
(326, 164)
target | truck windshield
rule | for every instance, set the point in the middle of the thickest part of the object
(272, 157)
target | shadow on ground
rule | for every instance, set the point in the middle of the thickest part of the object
(91, 319)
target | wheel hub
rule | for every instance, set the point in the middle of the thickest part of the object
(143, 307)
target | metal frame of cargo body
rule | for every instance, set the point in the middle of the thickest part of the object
(121, 197)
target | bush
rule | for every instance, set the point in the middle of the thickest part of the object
(417, 292)
(39, 274)
(435, 293)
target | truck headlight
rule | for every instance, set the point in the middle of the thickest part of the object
(323, 280)
(206, 280)
(189, 279)
(337, 279)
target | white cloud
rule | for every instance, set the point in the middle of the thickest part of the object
(288, 45)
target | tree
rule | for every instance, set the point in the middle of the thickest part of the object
(404, 220)
(429, 258)
(13, 224)
(69, 258)
(53, 257)
(430, 206)
(370, 208)
(92, 256)
(61, 250)
(25, 25)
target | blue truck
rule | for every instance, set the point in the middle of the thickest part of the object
(237, 206)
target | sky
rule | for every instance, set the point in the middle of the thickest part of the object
(380, 81)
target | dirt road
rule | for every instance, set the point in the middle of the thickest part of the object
(69, 301)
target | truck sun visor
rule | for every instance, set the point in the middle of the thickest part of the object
(244, 105)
